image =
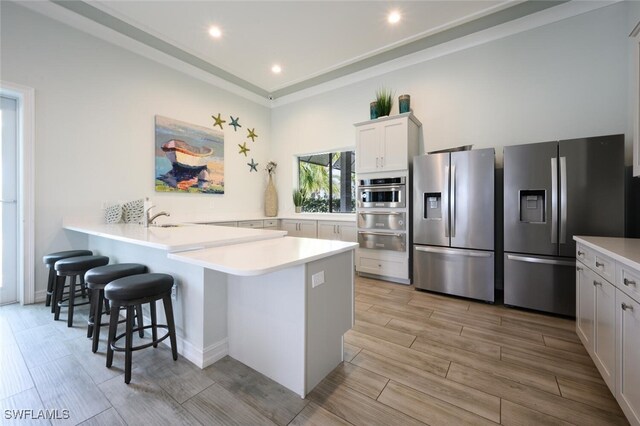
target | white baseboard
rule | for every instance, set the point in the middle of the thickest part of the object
(201, 358)
(40, 296)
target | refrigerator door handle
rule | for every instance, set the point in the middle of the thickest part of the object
(456, 253)
(554, 200)
(453, 201)
(445, 202)
(563, 200)
(543, 261)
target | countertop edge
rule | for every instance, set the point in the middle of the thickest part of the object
(616, 256)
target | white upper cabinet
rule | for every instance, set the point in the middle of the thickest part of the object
(386, 144)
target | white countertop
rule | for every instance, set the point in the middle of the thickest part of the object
(208, 218)
(624, 250)
(187, 237)
(265, 256)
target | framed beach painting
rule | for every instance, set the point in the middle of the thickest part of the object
(189, 158)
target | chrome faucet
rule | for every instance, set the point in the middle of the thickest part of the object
(148, 220)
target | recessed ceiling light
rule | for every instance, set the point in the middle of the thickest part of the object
(215, 32)
(276, 69)
(394, 17)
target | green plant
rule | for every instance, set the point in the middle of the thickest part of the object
(384, 101)
(299, 197)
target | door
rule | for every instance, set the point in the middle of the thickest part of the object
(393, 155)
(368, 148)
(628, 347)
(604, 348)
(591, 189)
(431, 199)
(8, 202)
(585, 306)
(539, 282)
(472, 183)
(530, 198)
(328, 231)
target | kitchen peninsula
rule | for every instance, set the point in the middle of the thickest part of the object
(278, 304)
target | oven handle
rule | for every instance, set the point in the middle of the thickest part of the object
(382, 187)
(382, 213)
(392, 234)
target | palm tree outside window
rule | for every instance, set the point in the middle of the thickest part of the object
(329, 180)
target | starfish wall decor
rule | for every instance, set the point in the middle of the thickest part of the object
(253, 166)
(218, 120)
(243, 149)
(234, 123)
(252, 134)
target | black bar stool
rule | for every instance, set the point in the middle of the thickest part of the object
(73, 267)
(96, 280)
(129, 292)
(50, 260)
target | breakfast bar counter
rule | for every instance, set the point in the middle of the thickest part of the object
(277, 304)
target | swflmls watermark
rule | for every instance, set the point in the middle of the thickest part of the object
(27, 414)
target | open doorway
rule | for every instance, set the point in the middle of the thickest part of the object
(17, 270)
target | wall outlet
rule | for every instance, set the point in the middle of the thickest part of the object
(174, 292)
(317, 279)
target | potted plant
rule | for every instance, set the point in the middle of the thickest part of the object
(384, 101)
(299, 197)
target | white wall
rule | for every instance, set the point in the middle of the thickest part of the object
(564, 80)
(95, 107)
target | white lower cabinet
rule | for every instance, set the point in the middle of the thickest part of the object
(628, 363)
(608, 324)
(343, 231)
(299, 228)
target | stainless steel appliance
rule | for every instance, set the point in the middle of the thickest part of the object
(553, 191)
(382, 192)
(453, 232)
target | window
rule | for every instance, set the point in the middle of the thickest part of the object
(329, 182)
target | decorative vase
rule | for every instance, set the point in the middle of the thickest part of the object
(373, 110)
(270, 199)
(404, 103)
(298, 209)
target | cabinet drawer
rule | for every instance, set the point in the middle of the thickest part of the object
(250, 224)
(628, 280)
(270, 223)
(389, 268)
(232, 224)
(584, 254)
(604, 266)
(382, 240)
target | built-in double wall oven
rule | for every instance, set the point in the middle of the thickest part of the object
(382, 213)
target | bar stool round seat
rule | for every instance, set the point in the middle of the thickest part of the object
(96, 280)
(50, 260)
(129, 292)
(73, 267)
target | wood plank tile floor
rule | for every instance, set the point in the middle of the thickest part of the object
(411, 358)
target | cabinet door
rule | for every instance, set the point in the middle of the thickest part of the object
(585, 306)
(604, 349)
(291, 226)
(328, 231)
(348, 233)
(308, 229)
(628, 348)
(368, 148)
(393, 151)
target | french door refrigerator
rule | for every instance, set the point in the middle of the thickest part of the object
(553, 191)
(453, 232)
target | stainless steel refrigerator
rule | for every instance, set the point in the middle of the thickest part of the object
(553, 191)
(453, 232)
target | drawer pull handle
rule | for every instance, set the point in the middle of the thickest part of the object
(578, 268)
(626, 307)
(580, 253)
(628, 282)
(596, 283)
(599, 265)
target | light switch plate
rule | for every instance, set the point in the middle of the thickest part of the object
(317, 279)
